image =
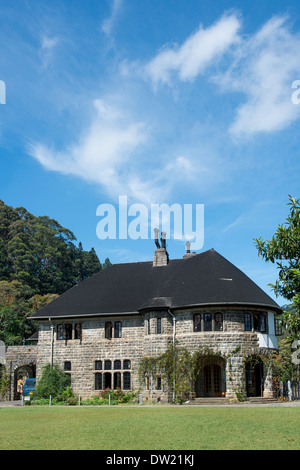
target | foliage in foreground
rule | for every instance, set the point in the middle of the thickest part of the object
(284, 250)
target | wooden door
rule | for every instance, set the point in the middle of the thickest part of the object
(212, 381)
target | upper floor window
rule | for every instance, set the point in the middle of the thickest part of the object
(107, 365)
(158, 326)
(117, 364)
(248, 325)
(259, 322)
(207, 322)
(108, 329)
(197, 322)
(65, 331)
(98, 365)
(118, 329)
(219, 322)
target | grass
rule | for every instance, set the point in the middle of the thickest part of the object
(146, 428)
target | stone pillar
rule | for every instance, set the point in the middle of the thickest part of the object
(268, 381)
(235, 378)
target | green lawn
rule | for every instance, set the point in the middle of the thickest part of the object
(157, 428)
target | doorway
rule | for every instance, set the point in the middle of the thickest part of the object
(212, 381)
(254, 378)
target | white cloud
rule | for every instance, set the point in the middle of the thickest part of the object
(108, 24)
(264, 68)
(198, 52)
(103, 155)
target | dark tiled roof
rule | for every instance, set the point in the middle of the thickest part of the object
(203, 279)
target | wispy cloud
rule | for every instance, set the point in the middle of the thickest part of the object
(263, 69)
(199, 51)
(48, 45)
(108, 23)
(103, 154)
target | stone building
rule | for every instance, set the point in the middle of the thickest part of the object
(99, 330)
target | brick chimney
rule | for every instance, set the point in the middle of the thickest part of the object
(161, 257)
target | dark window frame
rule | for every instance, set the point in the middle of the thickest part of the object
(118, 329)
(108, 330)
(207, 323)
(219, 323)
(197, 322)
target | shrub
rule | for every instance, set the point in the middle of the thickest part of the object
(54, 382)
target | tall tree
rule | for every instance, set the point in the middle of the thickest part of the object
(284, 250)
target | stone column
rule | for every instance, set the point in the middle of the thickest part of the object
(268, 381)
(235, 378)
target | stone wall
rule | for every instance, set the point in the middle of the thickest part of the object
(140, 338)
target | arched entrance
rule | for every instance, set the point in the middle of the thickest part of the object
(210, 377)
(254, 377)
(21, 374)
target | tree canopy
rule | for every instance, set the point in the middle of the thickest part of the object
(39, 260)
(284, 250)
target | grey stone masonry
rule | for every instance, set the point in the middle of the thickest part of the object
(219, 335)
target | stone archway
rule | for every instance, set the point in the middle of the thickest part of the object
(210, 380)
(21, 374)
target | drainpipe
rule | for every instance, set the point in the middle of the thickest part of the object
(52, 341)
(174, 333)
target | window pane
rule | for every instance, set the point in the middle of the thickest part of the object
(68, 330)
(117, 380)
(248, 322)
(126, 364)
(98, 365)
(118, 329)
(126, 381)
(207, 322)
(158, 326)
(60, 332)
(278, 327)
(98, 381)
(197, 322)
(108, 330)
(262, 323)
(107, 365)
(219, 321)
(158, 387)
(67, 366)
(77, 331)
(117, 365)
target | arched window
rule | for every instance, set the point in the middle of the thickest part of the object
(207, 321)
(118, 329)
(126, 364)
(219, 321)
(197, 321)
(108, 329)
(117, 364)
(107, 365)
(98, 365)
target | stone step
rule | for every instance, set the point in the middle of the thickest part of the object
(208, 401)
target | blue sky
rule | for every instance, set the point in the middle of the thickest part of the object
(162, 101)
